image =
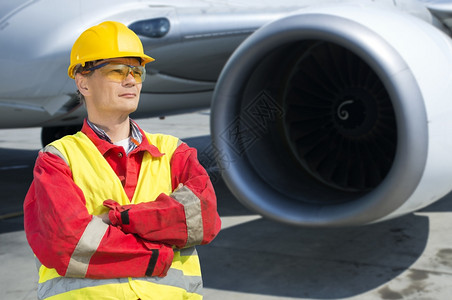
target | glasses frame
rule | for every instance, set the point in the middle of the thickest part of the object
(131, 70)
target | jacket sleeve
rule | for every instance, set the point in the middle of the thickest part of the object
(64, 236)
(185, 218)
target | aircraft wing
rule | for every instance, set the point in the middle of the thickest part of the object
(324, 113)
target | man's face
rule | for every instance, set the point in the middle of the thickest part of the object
(109, 98)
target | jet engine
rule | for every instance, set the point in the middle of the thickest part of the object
(337, 116)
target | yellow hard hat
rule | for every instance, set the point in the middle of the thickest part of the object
(106, 40)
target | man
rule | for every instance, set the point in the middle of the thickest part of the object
(114, 212)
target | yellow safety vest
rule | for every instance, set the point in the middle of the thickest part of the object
(86, 162)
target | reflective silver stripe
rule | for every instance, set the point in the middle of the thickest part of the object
(193, 216)
(53, 150)
(86, 247)
(188, 251)
(175, 278)
(61, 285)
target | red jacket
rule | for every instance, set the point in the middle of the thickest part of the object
(56, 216)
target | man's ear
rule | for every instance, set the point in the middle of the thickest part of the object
(82, 84)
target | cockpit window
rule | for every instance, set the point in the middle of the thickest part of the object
(153, 28)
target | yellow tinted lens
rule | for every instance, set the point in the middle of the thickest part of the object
(119, 72)
(138, 73)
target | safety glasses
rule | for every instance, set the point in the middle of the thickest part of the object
(118, 72)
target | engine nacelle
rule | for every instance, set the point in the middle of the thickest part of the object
(337, 116)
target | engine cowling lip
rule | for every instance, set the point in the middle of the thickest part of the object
(411, 153)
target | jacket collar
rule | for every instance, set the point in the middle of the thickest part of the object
(104, 144)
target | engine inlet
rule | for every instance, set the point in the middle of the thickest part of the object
(339, 122)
